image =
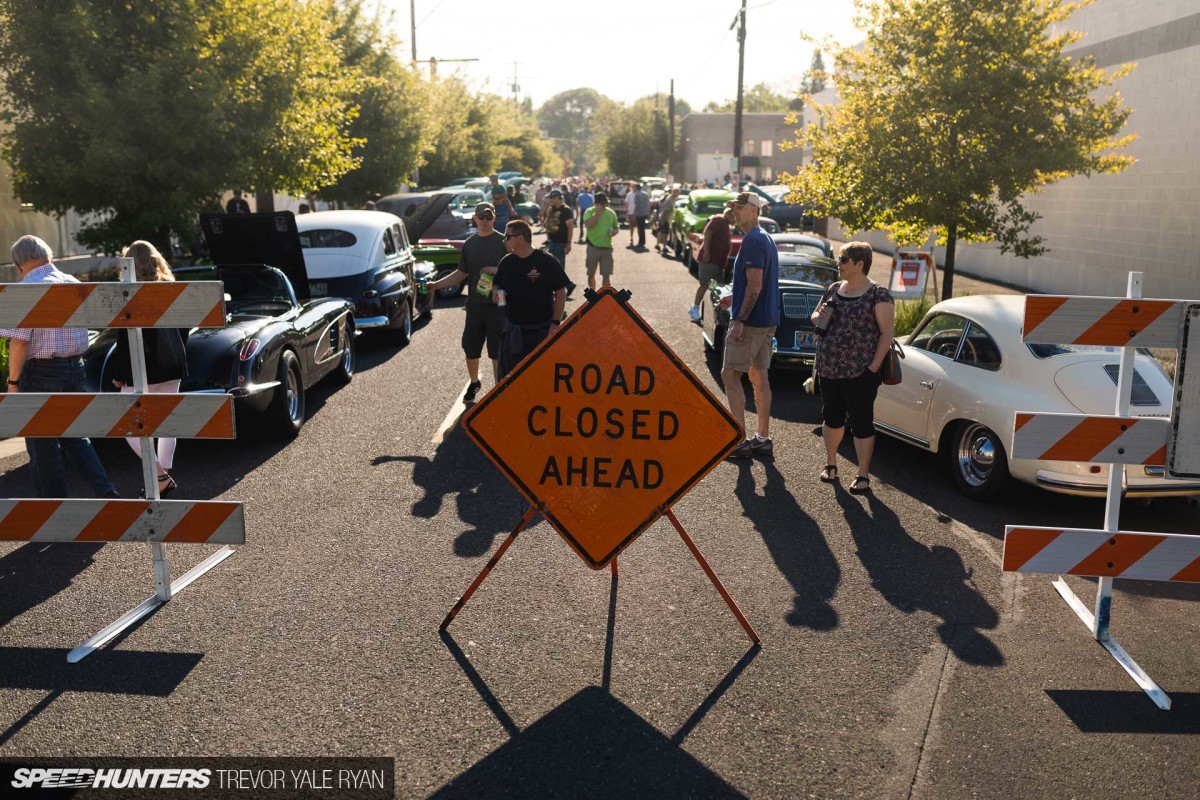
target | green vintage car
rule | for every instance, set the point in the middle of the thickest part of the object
(690, 214)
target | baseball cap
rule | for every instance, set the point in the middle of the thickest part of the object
(756, 200)
(481, 207)
(555, 193)
(498, 190)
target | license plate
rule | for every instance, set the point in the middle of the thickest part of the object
(318, 289)
(806, 340)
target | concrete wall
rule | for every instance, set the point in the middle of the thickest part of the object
(706, 146)
(1148, 217)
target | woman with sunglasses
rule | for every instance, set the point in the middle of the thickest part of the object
(855, 321)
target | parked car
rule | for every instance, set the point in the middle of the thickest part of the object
(690, 214)
(803, 278)
(407, 206)
(278, 341)
(616, 192)
(365, 257)
(967, 373)
(788, 215)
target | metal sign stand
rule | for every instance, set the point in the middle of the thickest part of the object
(670, 515)
(1098, 621)
(164, 589)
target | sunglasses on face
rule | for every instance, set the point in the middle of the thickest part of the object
(508, 236)
(486, 215)
(844, 259)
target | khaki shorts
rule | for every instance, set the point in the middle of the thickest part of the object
(754, 350)
(599, 257)
(709, 272)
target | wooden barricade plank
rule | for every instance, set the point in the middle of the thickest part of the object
(195, 304)
(113, 415)
(1105, 321)
(182, 521)
(1095, 439)
(1125, 554)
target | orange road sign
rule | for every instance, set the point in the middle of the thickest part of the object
(603, 428)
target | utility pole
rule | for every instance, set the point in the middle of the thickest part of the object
(671, 131)
(412, 11)
(740, 22)
(516, 87)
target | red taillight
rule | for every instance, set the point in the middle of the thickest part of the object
(249, 349)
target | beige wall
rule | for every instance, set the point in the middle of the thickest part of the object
(16, 221)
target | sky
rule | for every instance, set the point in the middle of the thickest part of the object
(625, 49)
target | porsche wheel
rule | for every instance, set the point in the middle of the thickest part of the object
(978, 462)
(285, 415)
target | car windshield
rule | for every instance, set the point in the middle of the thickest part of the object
(326, 237)
(708, 207)
(808, 272)
(804, 248)
(253, 287)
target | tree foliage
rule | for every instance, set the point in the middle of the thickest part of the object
(954, 112)
(636, 141)
(759, 98)
(576, 122)
(392, 126)
(143, 114)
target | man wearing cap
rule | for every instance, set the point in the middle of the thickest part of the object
(533, 288)
(481, 255)
(600, 224)
(504, 209)
(754, 314)
(560, 227)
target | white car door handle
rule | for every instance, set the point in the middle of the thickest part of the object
(927, 384)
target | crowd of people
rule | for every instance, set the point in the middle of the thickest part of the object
(517, 298)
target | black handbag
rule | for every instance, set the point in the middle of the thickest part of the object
(889, 370)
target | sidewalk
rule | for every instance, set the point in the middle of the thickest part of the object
(963, 284)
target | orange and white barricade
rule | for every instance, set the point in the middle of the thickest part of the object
(133, 306)
(1117, 440)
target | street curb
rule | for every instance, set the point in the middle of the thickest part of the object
(10, 447)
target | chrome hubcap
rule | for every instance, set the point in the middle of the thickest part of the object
(348, 360)
(293, 396)
(976, 454)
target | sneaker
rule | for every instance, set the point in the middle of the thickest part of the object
(762, 447)
(472, 390)
(743, 450)
(694, 313)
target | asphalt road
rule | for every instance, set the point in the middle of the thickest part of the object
(897, 659)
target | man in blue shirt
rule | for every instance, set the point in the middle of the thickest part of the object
(754, 314)
(584, 201)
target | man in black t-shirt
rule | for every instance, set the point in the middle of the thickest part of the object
(560, 231)
(531, 285)
(481, 256)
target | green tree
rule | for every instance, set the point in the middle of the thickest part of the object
(759, 98)
(459, 141)
(146, 113)
(391, 126)
(576, 121)
(636, 142)
(951, 114)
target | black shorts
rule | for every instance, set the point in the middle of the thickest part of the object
(850, 399)
(485, 322)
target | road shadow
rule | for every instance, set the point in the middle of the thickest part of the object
(1097, 711)
(485, 500)
(107, 671)
(35, 572)
(795, 543)
(591, 746)
(914, 577)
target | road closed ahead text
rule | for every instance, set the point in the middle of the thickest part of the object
(599, 417)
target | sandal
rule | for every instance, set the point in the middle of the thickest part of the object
(829, 474)
(861, 485)
(163, 490)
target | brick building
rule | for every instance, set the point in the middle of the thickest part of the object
(706, 147)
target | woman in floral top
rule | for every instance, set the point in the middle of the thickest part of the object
(855, 320)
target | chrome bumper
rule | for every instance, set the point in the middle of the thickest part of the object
(371, 322)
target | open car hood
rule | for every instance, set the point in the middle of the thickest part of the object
(423, 218)
(255, 239)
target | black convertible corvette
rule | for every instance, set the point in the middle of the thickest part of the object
(278, 341)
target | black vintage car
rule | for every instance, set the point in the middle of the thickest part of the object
(278, 341)
(805, 272)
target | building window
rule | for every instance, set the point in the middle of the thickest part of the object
(768, 148)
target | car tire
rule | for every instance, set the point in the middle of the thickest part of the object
(447, 292)
(285, 415)
(401, 334)
(677, 244)
(978, 463)
(344, 372)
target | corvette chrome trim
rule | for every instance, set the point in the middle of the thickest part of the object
(901, 434)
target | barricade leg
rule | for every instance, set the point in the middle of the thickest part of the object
(508, 540)
(712, 576)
